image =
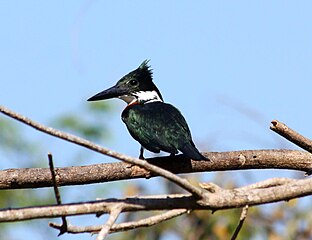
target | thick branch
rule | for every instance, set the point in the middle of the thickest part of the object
(220, 161)
(223, 199)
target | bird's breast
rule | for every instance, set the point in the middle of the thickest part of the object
(126, 112)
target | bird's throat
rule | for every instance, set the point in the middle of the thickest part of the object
(141, 97)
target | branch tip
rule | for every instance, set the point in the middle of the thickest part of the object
(274, 123)
(291, 135)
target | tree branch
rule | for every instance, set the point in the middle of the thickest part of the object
(223, 199)
(146, 222)
(291, 135)
(241, 222)
(272, 182)
(107, 172)
(150, 221)
(57, 194)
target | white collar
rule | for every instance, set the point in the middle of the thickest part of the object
(142, 97)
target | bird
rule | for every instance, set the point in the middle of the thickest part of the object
(156, 125)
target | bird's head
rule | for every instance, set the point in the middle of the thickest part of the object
(136, 86)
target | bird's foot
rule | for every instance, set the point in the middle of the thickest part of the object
(141, 153)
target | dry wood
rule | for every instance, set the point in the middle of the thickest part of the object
(107, 172)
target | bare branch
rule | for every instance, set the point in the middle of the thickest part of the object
(146, 222)
(57, 194)
(291, 135)
(223, 199)
(241, 222)
(272, 182)
(147, 203)
(183, 183)
(52, 170)
(150, 221)
(220, 161)
(113, 215)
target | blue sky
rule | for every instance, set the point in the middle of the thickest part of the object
(230, 66)
(206, 57)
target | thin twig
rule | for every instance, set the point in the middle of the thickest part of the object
(272, 182)
(146, 222)
(183, 183)
(269, 183)
(114, 213)
(150, 221)
(241, 222)
(57, 194)
(52, 170)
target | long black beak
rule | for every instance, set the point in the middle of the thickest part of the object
(112, 92)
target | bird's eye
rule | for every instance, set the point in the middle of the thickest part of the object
(133, 82)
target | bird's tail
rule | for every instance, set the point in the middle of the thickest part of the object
(192, 152)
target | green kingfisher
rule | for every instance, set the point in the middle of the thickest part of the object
(156, 125)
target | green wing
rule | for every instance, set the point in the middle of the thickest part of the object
(157, 126)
